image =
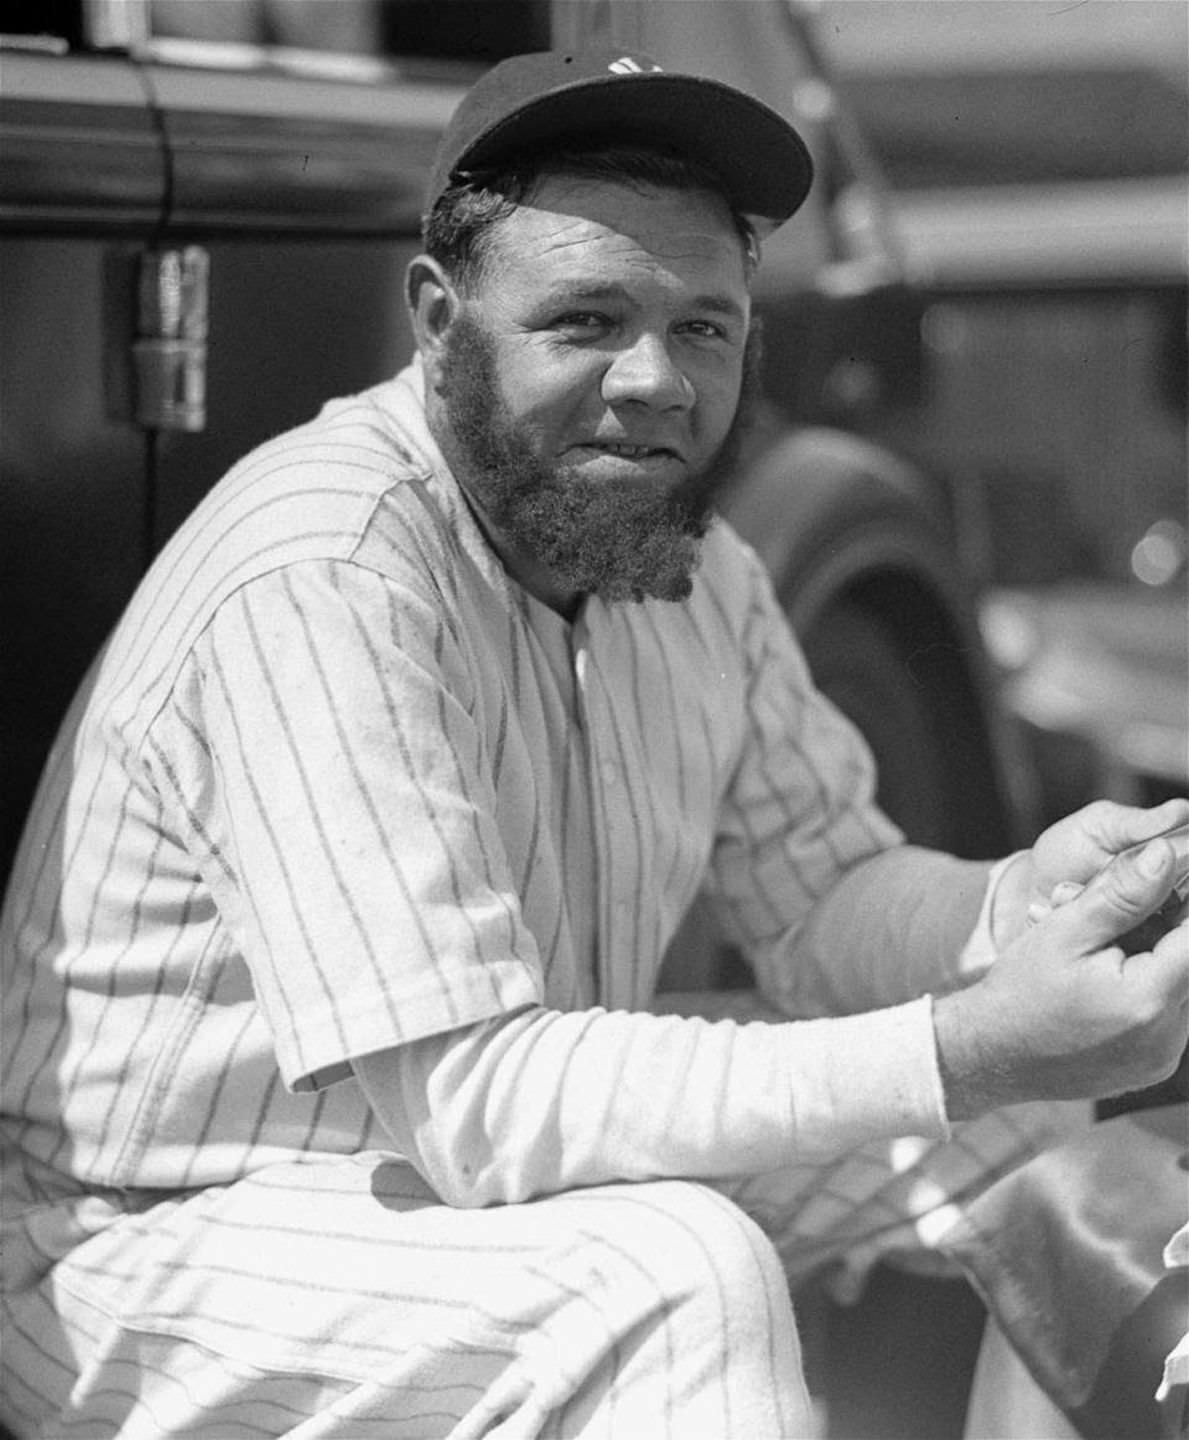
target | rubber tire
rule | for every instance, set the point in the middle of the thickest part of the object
(861, 665)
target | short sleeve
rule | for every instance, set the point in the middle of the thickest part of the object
(320, 752)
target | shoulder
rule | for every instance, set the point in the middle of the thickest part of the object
(733, 584)
(319, 492)
(311, 489)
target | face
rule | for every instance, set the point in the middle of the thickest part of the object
(585, 388)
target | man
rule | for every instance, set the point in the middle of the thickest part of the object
(334, 1099)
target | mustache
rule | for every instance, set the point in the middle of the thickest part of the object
(618, 540)
(469, 386)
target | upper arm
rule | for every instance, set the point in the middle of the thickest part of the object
(322, 751)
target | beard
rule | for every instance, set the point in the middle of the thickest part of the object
(616, 539)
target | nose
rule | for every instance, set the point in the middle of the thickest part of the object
(644, 372)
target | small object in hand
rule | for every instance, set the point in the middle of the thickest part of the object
(1175, 908)
(1148, 932)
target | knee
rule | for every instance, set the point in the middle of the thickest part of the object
(699, 1251)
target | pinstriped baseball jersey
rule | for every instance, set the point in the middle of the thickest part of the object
(336, 784)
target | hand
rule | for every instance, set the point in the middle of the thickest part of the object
(1172, 912)
(1072, 852)
(1063, 1013)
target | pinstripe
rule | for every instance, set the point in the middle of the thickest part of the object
(386, 1294)
(447, 732)
(263, 1110)
(24, 1401)
(27, 1029)
(487, 873)
(442, 564)
(262, 558)
(676, 730)
(205, 1125)
(279, 855)
(637, 864)
(406, 552)
(774, 1304)
(436, 1247)
(726, 627)
(793, 737)
(160, 1075)
(592, 1231)
(499, 741)
(275, 892)
(564, 846)
(521, 701)
(158, 753)
(33, 1338)
(614, 1348)
(84, 1053)
(183, 559)
(700, 1244)
(311, 794)
(132, 1397)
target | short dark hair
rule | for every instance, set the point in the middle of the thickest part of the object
(458, 230)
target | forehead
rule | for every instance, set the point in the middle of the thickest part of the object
(574, 230)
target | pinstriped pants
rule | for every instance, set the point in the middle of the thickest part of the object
(341, 1299)
(337, 1297)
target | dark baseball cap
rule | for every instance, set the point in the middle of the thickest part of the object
(524, 104)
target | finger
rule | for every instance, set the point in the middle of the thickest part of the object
(1115, 826)
(1168, 964)
(1173, 946)
(1060, 895)
(1132, 887)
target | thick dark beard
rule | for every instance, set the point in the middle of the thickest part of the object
(615, 539)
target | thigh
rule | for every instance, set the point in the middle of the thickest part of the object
(341, 1293)
(242, 1309)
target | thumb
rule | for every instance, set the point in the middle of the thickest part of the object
(1123, 894)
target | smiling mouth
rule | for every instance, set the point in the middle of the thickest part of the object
(629, 452)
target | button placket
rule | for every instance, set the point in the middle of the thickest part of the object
(623, 862)
(605, 776)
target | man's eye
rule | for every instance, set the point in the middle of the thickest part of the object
(706, 329)
(582, 320)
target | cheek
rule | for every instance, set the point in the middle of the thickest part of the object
(544, 392)
(719, 393)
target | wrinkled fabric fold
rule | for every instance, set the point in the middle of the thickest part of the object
(1068, 1252)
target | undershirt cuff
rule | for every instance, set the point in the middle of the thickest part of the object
(979, 952)
(881, 1076)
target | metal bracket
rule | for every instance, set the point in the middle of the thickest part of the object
(168, 371)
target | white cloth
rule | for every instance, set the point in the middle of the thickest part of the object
(1176, 1364)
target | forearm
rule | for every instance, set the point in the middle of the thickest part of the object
(893, 928)
(541, 1101)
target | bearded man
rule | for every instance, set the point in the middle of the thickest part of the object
(339, 1099)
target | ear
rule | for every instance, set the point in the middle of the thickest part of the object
(434, 305)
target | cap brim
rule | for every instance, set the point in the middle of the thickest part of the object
(764, 165)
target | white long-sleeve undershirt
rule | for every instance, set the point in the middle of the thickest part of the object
(543, 1101)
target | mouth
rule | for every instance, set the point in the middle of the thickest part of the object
(622, 450)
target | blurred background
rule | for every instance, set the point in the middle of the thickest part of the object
(1037, 155)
